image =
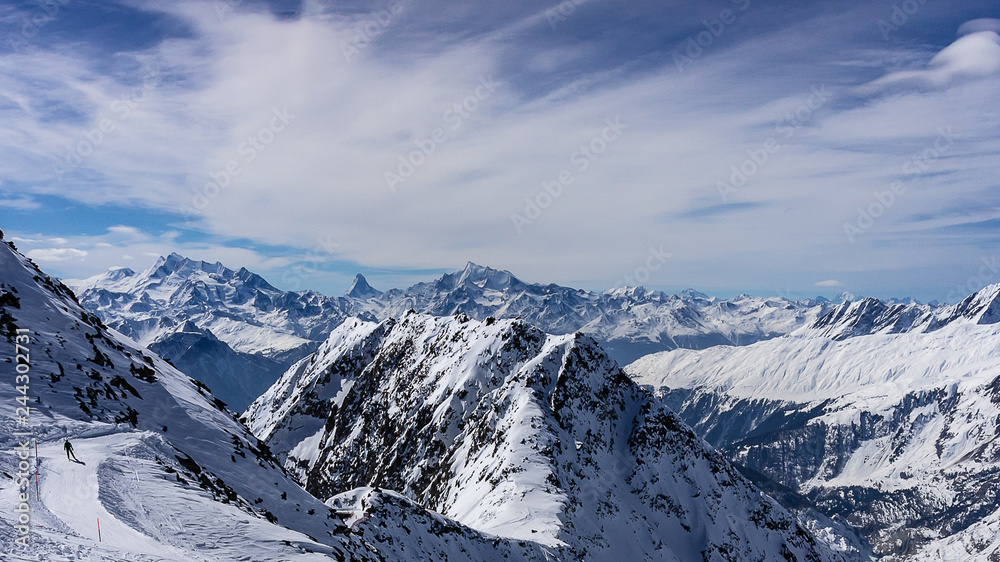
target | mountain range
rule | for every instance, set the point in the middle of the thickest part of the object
(181, 308)
(886, 416)
(443, 438)
(444, 422)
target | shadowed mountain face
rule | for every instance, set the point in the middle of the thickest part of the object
(227, 372)
(520, 434)
(263, 326)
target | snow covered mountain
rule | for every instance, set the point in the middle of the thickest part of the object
(628, 322)
(165, 470)
(885, 416)
(267, 329)
(512, 432)
(183, 308)
(872, 316)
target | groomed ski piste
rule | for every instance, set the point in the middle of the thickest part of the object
(142, 510)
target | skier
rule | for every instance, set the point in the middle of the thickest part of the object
(69, 450)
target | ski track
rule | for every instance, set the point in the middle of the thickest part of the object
(70, 491)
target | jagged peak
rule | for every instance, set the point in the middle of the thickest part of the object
(176, 263)
(480, 276)
(627, 291)
(360, 289)
(990, 291)
(251, 279)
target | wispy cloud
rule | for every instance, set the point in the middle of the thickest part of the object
(320, 181)
(974, 55)
(22, 203)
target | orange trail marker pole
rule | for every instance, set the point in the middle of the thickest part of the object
(98, 529)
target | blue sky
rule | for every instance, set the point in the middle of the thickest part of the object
(794, 148)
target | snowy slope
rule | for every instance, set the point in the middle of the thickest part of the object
(519, 434)
(896, 433)
(166, 469)
(258, 330)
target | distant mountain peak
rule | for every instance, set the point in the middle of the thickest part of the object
(694, 294)
(119, 273)
(360, 289)
(176, 263)
(845, 296)
(483, 277)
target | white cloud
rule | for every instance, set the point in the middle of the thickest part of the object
(979, 25)
(56, 254)
(829, 283)
(21, 203)
(123, 232)
(973, 55)
(89, 255)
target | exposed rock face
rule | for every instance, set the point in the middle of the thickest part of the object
(519, 434)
